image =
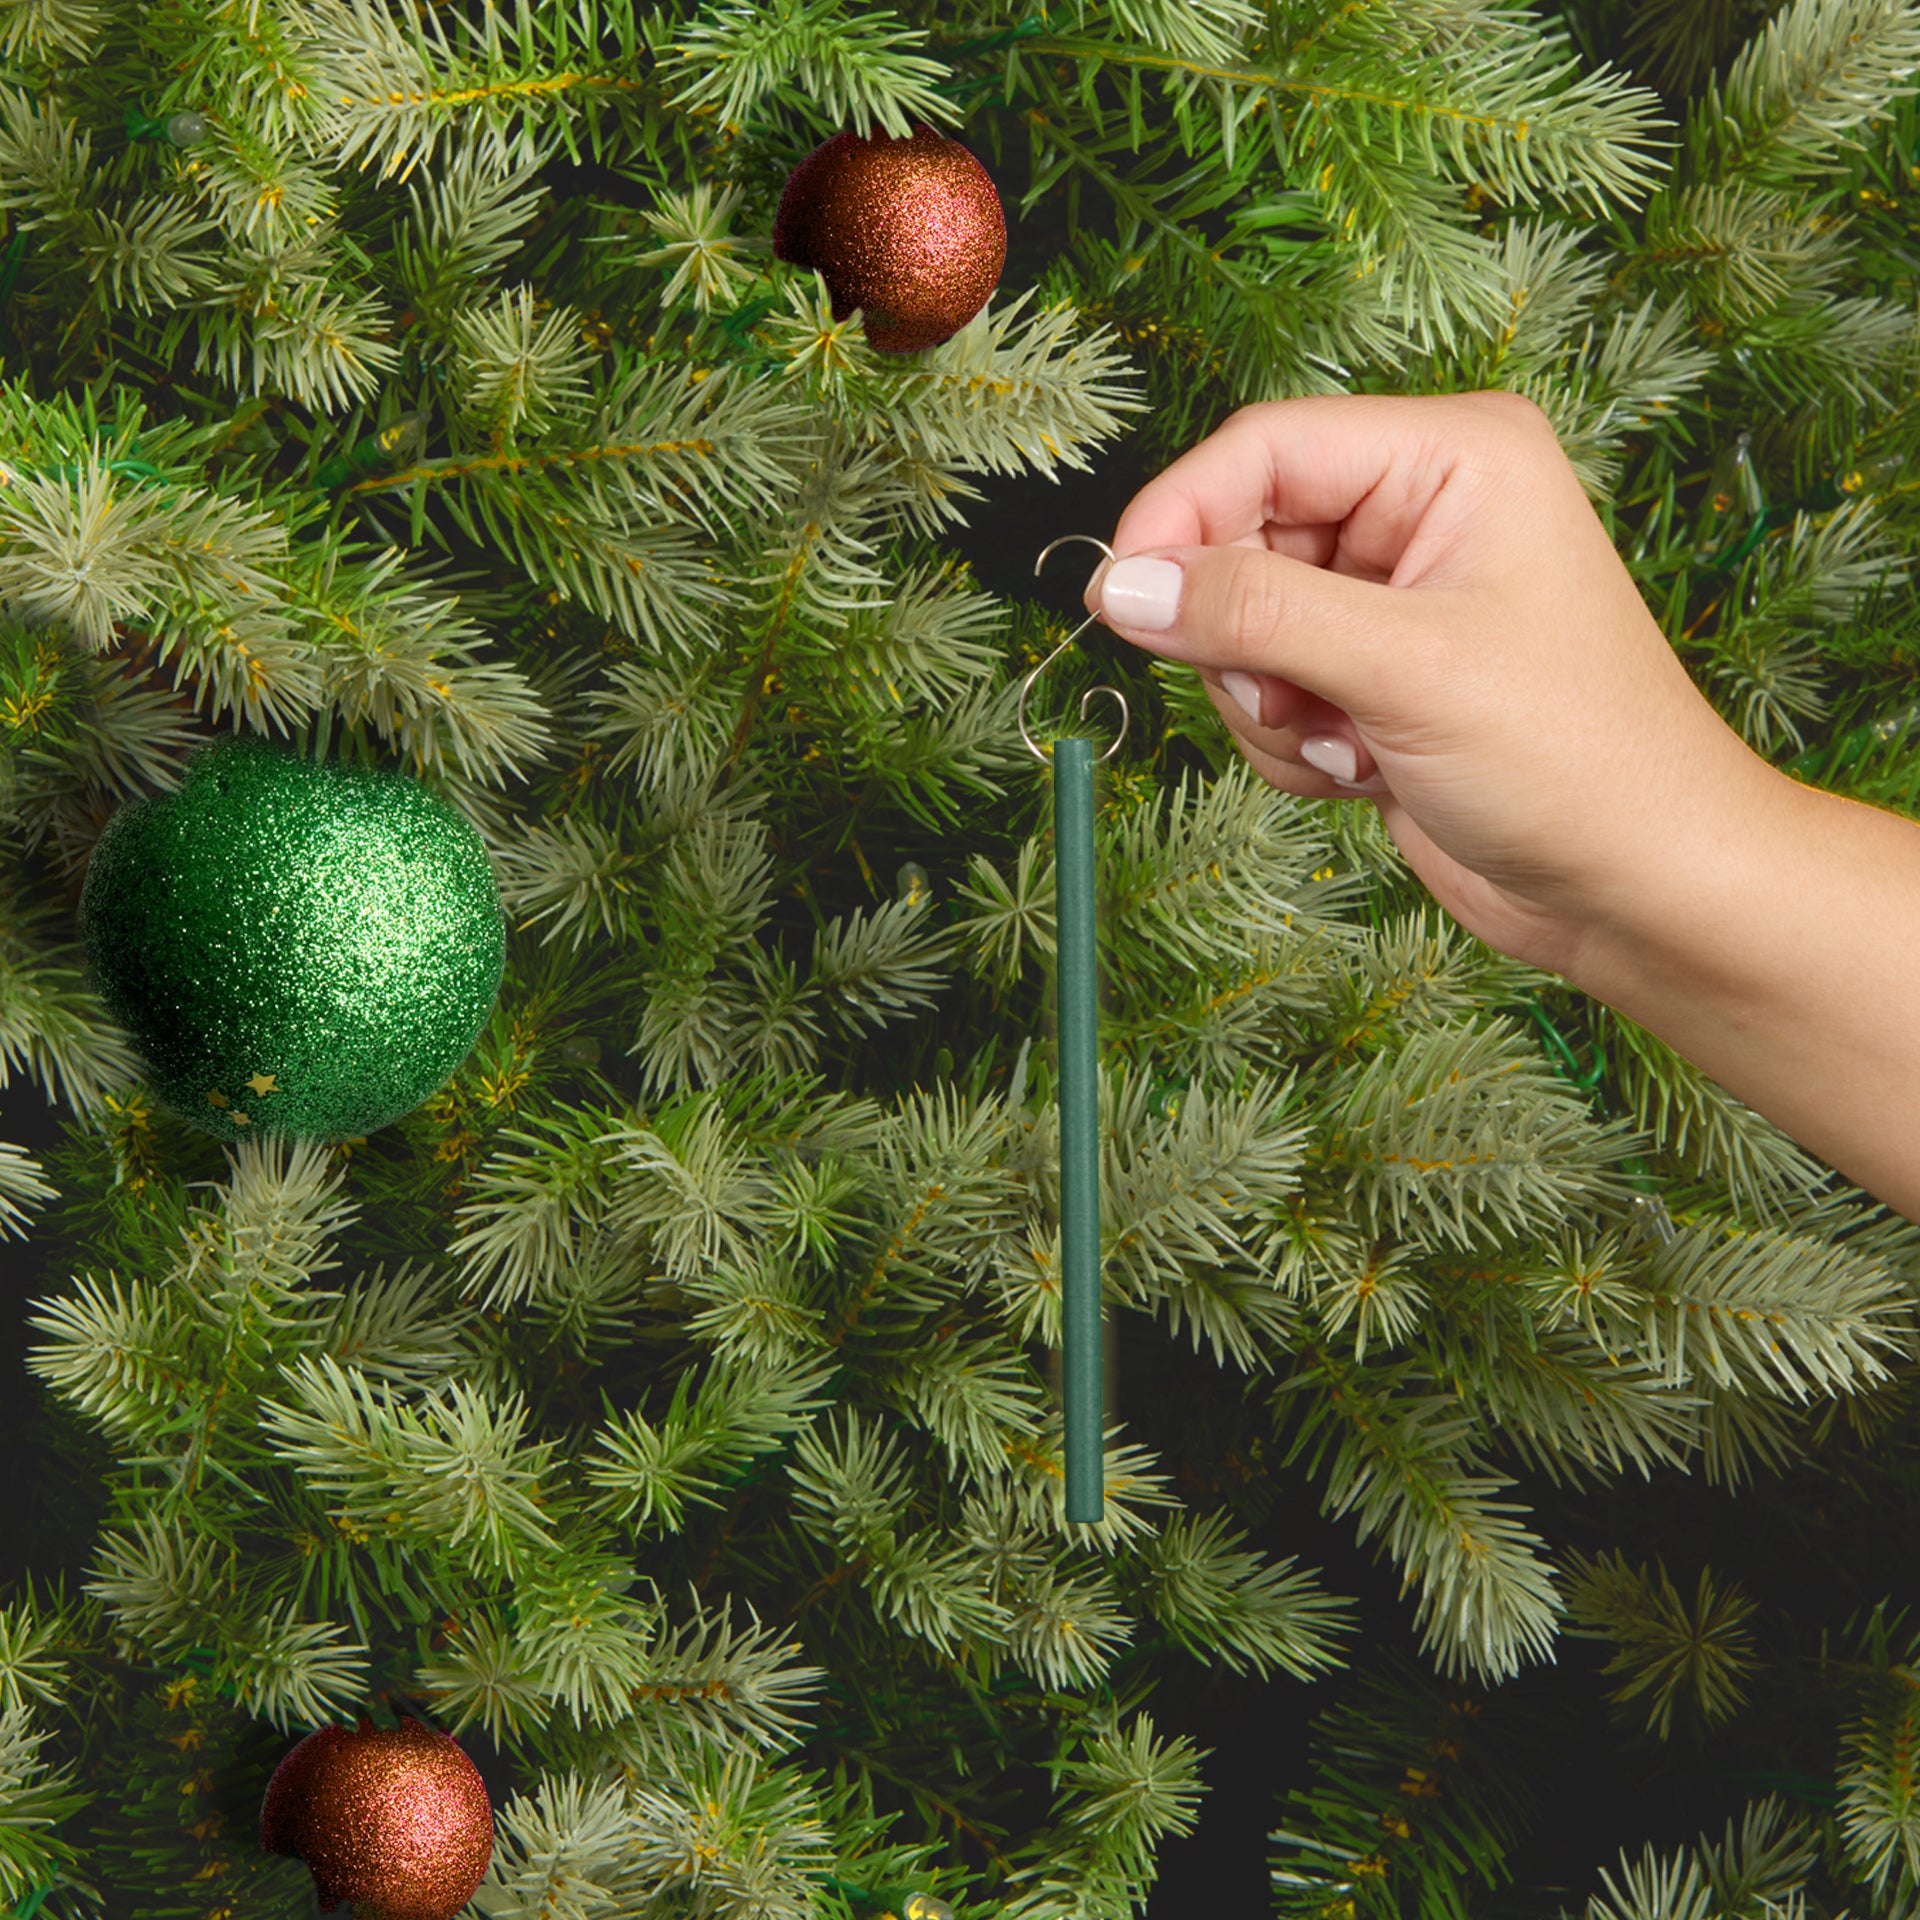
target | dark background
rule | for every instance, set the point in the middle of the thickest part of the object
(1791, 1540)
(1257, 1732)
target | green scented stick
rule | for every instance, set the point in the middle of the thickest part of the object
(1079, 1129)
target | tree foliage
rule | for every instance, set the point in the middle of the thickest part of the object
(665, 1405)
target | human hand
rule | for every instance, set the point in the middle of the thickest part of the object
(1422, 582)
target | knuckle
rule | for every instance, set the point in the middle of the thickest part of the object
(1517, 410)
(1252, 600)
(1513, 438)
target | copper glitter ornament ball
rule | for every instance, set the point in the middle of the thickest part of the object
(910, 231)
(394, 1819)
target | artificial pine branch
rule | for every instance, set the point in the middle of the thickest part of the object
(503, 1411)
(1664, 1649)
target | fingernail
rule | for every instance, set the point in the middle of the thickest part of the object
(1334, 757)
(1142, 594)
(1245, 689)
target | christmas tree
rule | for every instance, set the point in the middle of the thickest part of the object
(1510, 1440)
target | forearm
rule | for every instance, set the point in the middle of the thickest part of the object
(1785, 965)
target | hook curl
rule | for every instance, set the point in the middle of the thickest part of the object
(1033, 746)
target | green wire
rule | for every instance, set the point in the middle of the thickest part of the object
(1587, 1080)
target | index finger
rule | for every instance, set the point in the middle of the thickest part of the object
(1339, 480)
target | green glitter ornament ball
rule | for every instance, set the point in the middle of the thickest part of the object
(294, 949)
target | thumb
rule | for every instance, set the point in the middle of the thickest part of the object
(1255, 611)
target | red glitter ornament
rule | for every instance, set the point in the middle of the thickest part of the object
(395, 1820)
(909, 230)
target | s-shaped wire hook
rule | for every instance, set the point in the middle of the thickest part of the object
(1033, 746)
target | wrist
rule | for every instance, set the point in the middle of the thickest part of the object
(1683, 913)
(1778, 962)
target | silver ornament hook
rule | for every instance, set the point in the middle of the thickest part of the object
(1033, 746)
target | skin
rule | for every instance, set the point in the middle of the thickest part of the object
(1425, 578)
